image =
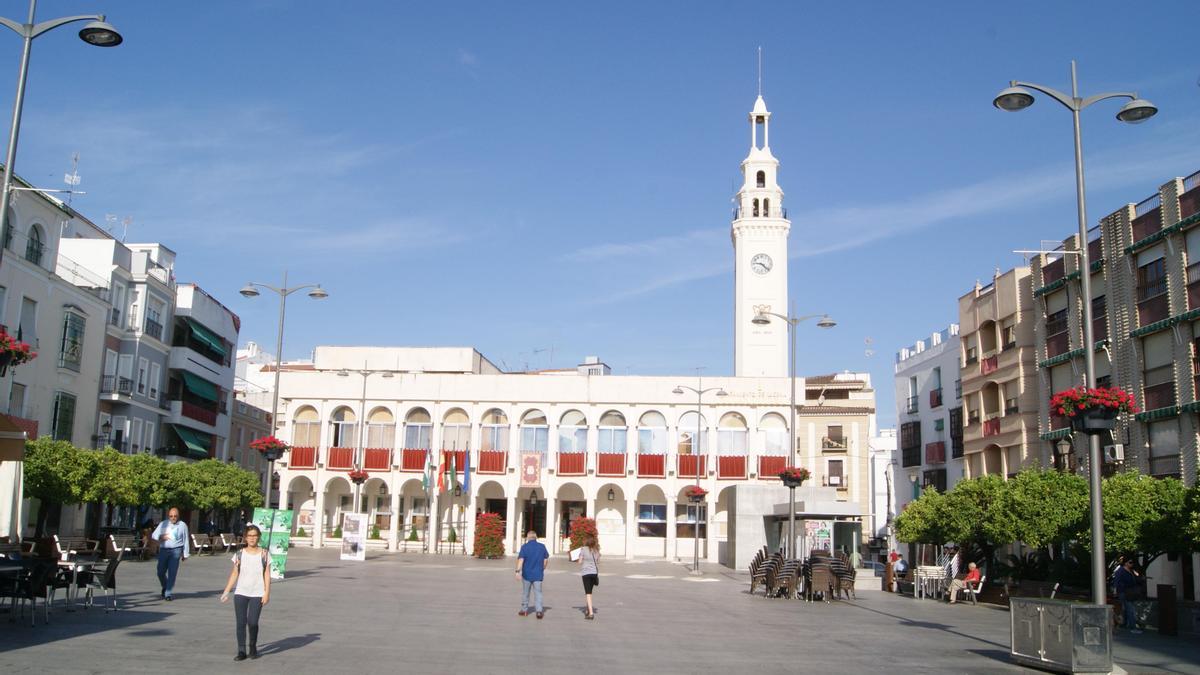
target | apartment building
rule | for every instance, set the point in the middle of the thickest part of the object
(248, 422)
(1000, 392)
(929, 413)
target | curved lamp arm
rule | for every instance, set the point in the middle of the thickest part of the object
(1070, 102)
(31, 31)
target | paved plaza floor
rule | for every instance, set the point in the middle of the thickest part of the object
(440, 614)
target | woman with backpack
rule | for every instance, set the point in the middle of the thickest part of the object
(589, 569)
(252, 574)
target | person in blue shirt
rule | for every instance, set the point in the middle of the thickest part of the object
(174, 545)
(1125, 582)
(531, 569)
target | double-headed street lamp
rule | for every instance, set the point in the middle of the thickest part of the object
(1017, 97)
(97, 32)
(251, 291)
(699, 391)
(361, 452)
(763, 318)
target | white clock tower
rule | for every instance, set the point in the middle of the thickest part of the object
(760, 271)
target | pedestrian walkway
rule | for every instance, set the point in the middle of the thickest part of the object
(443, 614)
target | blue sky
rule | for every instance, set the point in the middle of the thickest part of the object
(528, 177)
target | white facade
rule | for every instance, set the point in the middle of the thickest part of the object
(928, 390)
(883, 491)
(760, 254)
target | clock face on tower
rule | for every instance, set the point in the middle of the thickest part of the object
(761, 263)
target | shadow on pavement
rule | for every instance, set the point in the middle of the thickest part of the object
(289, 643)
(20, 634)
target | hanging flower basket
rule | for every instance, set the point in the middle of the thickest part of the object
(794, 476)
(695, 494)
(13, 352)
(1092, 411)
(358, 476)
(271, 448)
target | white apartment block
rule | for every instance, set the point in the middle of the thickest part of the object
(929, 416)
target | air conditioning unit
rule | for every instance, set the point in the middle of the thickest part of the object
(1114, 453)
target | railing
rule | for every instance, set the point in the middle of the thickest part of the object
(1053, 271)
(164, 403)
(1058, 344)
(340, 458)
(935, 397)
(651, 466)
(910, 456)
(377, 459)
(687, 466)
(1160, 395)
(991, 427)
(777, 212)
(572, 463)
(153, 328)
(610, 464)
(912, 404)
(1191, 182)
(1193, 287)
(111, 383)
(971, 358)
(836, 443)
(77, 275)
(303, 458)
(458, 456)
(1189, 201)
(1095, 250)
(989, 365)
(935, 453)
(493, 461)
(731, 466)
(34, 251)
(1144, 207)
(1147, 223)
(413, 459)
(956, 446)
(199, 414)
(769, 466)
(1153, 309)
(115, 316)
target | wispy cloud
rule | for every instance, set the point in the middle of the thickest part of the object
(467, 59)
(651, 247)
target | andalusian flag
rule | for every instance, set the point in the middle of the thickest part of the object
(427, 479)
(453, 472)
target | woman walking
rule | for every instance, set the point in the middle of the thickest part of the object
(589, 568)
(252, 574)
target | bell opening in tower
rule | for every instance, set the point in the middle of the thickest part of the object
(760, 136)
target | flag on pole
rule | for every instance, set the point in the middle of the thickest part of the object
(442, 474)
(467, 473)
(427, 479)
(453, 472)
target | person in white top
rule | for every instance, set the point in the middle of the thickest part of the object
(252, 574)
(174, 546)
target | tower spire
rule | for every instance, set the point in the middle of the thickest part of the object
(760, 70)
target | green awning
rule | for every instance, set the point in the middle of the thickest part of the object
(199, 386)
(207, 337)
(197, 443)
(1158, 414)
(1056, 434)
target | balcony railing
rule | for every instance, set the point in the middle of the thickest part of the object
(989, 365)
(688, 465)
(935, 397)
(769, 466)
(1193, 287)
(115, 316)
(34, 251)
(651, 466)
(1148, 223)
(1053, 271)
(833, 443)
(912, 404)
(991, 427)
(572, 463)
(1095, 250)
(610, 464)
(340, 458)
(412, 459)
(935, 453)
(303, 458)
(377, 459)
(111, 383)
(1058, 344)
(911, 456)
(1189, 201)
(731, 466)
(199, 414)
(1159, 395)
(456, 457)
(493, 461)
(1152, 309)
(153, 328)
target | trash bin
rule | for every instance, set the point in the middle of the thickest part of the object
(1063, 636)
(1168, 615)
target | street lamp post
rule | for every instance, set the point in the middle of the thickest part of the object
(250, 290)
(361, 451)
(700, 392)
(823, 321)
(97, 32)
(1017, 97)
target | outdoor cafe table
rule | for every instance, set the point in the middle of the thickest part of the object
(929, 581)
(86, 564)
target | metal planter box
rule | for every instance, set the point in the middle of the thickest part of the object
(1063, 636)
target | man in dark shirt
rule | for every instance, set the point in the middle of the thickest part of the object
(1125, 582)
(531, 569)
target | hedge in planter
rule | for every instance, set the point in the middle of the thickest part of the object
(489, 536)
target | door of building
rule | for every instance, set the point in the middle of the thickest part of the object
(533, 518)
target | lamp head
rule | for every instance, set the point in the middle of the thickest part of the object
(611, 495)
(722, 392)
(826, 322)
(1013, 99)
(1137, 111)
(760, 319)
(106, 427)
(343, 373)
(318, 293)
(249, 291)
(1064, 446)
(387, 375)
(677, 390)
(100, 34)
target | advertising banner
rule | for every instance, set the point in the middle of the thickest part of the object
(354, 536)
(276, 526)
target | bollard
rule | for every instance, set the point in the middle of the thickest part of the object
(1168, 616)
(887, 578)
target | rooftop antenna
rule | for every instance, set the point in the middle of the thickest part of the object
(760, 70)
(111, 220)
(72, 179)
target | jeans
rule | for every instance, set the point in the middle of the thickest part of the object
(1128, 612)
(168, 567)
(247, 610)
(537, 594)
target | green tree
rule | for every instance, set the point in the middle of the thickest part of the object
(1144, 516)
(55, 473)
(1047, 507)
(924, 520)
(112, 479)
(147, 476)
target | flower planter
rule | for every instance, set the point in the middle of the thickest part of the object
(695, 499)
(792, 482)
(1094, 421)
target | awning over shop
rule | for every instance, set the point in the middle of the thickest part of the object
(12, 441)
(197, 443)
(207, 337)
(200, 386)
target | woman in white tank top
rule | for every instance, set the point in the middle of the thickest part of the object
(252, 574)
